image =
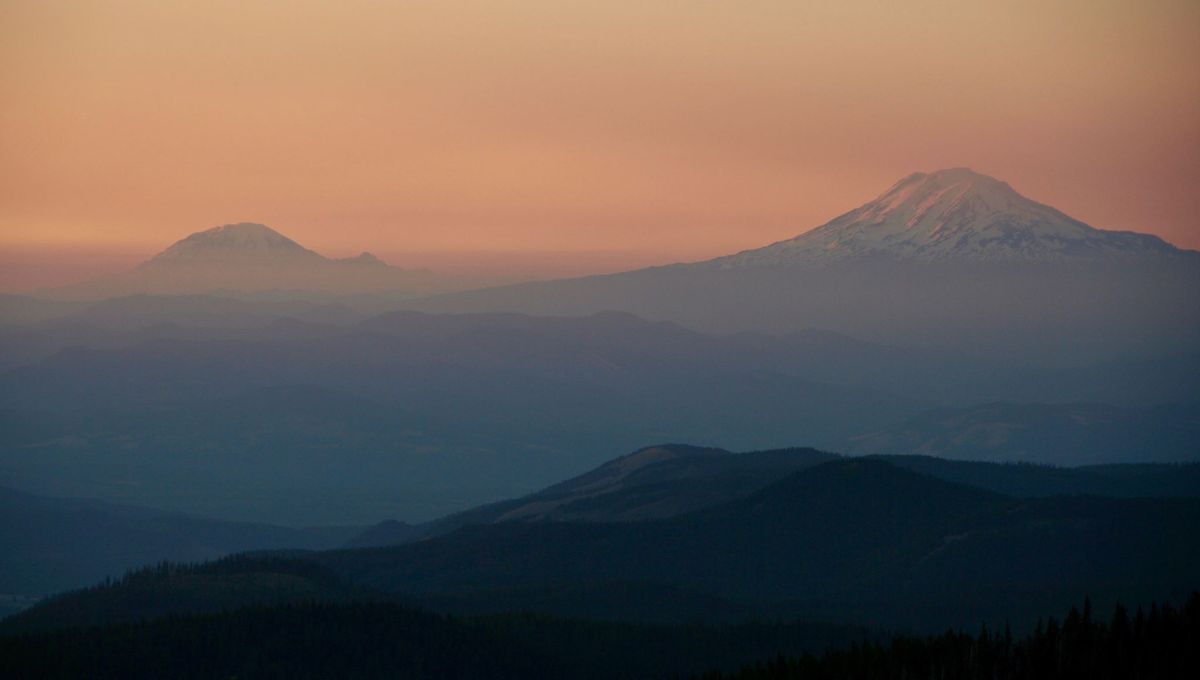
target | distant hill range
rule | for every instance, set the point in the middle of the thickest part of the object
(53, 544)
(413, 416)
(1068, 434)
(950, 259)
(246, 258)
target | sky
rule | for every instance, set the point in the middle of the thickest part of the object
(557, 137)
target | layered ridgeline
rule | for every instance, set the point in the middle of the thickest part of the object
(1067, 433)
(913, 543)
(273, 413)
(249, 258)
(905, 542)
(63, 543)
(49, 544)
(947, 259)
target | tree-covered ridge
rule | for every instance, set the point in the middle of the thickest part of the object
(361, 640)
(166, 589)
(1162, 642)
(388, 640)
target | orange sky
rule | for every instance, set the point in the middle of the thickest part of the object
(649, 131)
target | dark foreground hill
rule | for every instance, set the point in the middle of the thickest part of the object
(857, 540)
(1165, 643)
(278, 617)
(168, 589)
(51, 544)
(387, 640)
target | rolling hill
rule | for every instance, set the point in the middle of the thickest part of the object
(48, 545)
(858, 540)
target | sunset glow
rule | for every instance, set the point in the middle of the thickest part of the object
(642, 132)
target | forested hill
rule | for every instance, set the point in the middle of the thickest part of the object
(386, 640)
(1161, 642)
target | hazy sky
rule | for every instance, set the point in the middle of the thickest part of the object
(623, 131)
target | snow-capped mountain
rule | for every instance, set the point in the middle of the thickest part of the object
(949, 215)
(250, 258)
(948, 260)
(244, 241)
(248, 243)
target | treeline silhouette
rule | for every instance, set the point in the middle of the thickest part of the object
(1163, 642)
(387, 640)
(167, 588)
(391, 640)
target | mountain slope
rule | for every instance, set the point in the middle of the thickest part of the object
(855, 539)
(856, 535)
(232, 242)
(655, 482)
(670, 480)
(781, 525)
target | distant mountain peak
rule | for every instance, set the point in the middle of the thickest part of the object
(364, 258)
(250, 257)
(235, 242)
(955, 214)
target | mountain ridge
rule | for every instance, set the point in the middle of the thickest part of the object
(858, 535)
(882, 541)
(669, 480)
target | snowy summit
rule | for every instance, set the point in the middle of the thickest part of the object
(954, 214)
(240, 242)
